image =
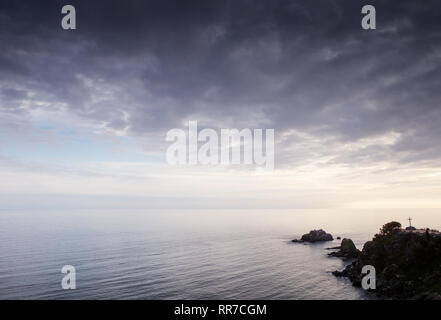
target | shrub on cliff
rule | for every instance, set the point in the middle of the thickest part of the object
(390, 228)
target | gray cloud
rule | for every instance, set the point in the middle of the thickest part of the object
(149, 66)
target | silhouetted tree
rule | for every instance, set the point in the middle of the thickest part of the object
(390, 228)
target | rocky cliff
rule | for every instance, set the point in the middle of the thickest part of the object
(407, 264)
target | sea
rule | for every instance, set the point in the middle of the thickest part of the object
(185, 254)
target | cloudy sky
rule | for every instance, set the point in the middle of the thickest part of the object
(84, 113)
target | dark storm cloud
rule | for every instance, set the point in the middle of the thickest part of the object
(306, 65)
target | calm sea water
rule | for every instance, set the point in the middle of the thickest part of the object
(183, 254)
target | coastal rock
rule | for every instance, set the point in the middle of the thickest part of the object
(315, 236)
(407, 264)
(347, 250)
(353, 272)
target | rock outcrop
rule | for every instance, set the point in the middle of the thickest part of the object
(346, 250)
(407, 264)
(315, 236)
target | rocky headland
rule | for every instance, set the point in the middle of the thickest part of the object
(407, 262)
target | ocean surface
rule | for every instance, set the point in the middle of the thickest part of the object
(202, 254)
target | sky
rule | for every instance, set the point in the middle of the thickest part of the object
(84, 113)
